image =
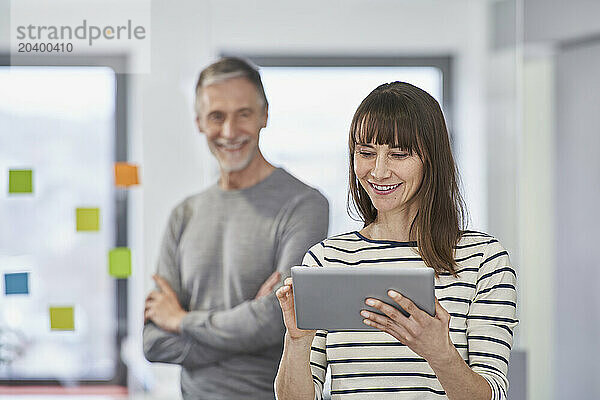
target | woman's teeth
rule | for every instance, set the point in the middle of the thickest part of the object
(384, 188)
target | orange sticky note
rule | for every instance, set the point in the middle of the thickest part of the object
(126, 174)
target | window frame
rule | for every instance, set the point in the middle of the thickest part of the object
(444, 62)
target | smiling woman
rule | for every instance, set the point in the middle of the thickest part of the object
(403, 185)
(398, 136)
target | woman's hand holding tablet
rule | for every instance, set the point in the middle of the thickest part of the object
(427, 336)
(285, 295)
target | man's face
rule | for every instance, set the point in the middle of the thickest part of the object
(231, 116)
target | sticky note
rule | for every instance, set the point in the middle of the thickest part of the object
(126, 174)
(20, 181)
(16, 283)
(88, 219)
(119, 262)
(62, 319)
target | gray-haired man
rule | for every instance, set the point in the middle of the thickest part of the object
(226, 249)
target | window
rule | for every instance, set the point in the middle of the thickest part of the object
(310, 110)
(59, 121)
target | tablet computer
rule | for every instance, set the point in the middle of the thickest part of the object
(331, 298)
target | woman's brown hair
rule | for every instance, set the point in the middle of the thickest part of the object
(401, 115)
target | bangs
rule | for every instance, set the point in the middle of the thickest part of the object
(384, 120)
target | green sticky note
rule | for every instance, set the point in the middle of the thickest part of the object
(20, 181)
(119, 262)
(88, 219)
(62, 319)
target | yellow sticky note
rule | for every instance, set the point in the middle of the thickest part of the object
(119, 262)
(20, 181)
(62, 319)
(88, 219)
(126, 174)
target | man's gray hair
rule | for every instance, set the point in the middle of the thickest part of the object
(229, 68)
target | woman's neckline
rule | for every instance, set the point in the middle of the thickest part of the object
(394, 242)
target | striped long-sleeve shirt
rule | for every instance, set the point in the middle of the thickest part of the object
(481, 302)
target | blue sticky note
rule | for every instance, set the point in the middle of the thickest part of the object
(17, 283)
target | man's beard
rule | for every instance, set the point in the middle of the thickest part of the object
(238, 165)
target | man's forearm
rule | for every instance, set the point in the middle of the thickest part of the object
(249, 327)
(171, 348)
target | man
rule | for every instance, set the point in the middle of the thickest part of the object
(226, 249)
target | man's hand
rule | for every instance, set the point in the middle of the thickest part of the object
(268, 286)
(163, 308)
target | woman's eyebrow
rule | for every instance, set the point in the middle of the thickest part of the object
(365, 145)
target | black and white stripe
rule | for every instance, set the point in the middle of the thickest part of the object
(481, 302)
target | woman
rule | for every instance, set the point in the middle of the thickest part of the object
(403, 183)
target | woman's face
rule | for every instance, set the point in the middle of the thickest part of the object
(391, 176)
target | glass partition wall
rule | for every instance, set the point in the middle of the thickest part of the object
(58, 123)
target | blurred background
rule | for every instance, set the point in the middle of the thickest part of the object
(519, 85)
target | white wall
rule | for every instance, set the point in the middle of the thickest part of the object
(577, 191)
(173, 155)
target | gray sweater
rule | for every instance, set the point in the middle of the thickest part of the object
(218, 249)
